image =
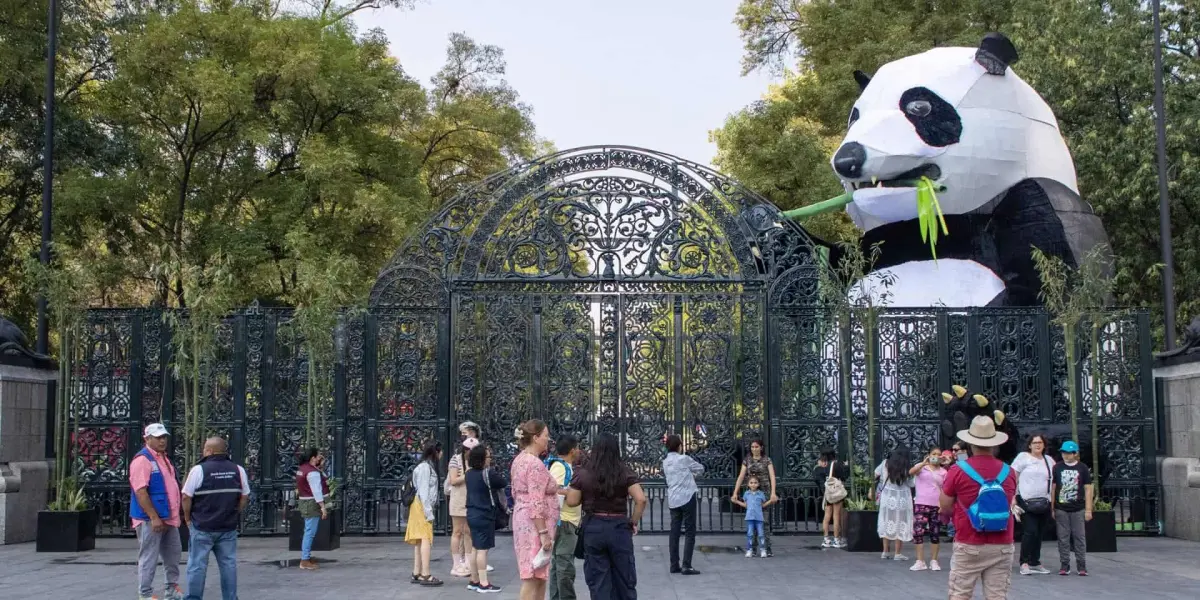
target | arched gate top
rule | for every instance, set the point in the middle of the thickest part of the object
(602, 215)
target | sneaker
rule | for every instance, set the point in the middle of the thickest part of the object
(838, 543)
(1025, 570)
(749, 554)
(308, 565)
(147, 597)
(488, 589)
(900, 557)
(934, 566)
(690, 571)
(173, 593)
(828, 543)
(473, 586)
(675, 569)
(1040, 570)
(490, 569)
(886, 556)
(919, 566)
(1082, 573)
(842, 543)
(1064, 571)
(762, 553)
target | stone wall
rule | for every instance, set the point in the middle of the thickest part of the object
(24, 470)
(1179, 389)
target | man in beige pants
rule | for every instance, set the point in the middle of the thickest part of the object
(980, 556)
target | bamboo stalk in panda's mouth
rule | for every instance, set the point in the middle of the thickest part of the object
(840, 201)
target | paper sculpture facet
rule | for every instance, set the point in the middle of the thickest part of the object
(962, 118)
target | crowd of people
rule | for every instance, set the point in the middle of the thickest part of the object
(977, 499)
(570, 504)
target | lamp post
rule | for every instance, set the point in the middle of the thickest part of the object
(43, 332)
(1164, 206)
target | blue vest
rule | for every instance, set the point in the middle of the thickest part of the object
(215, 501)
(157, 490)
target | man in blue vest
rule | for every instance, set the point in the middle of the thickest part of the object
(214, 495)
(154, 510)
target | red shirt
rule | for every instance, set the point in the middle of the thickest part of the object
(964, 490)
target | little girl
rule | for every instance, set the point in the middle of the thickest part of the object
(753, 500)
(895, 524)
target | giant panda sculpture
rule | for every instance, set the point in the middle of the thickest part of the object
(964, 119)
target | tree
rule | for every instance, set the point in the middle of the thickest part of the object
(84, 58)
(475, 125)
(224, 127)
(1095, 72)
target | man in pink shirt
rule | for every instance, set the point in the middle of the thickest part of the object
(154, 508)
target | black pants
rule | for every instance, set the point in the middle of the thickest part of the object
(608, 562)
(1033, 527)
(683, 518)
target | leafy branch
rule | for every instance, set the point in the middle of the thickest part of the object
(68, 286)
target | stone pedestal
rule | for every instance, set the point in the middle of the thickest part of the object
(24, 470)
(1178, 382)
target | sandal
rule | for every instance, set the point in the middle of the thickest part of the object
(429, 581)
(415, 579)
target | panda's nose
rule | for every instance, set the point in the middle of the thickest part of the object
(848, 161)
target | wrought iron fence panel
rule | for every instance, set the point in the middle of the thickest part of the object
(605, 290)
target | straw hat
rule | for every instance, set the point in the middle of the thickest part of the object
(983, 433)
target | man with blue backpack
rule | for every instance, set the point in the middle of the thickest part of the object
(979, 492)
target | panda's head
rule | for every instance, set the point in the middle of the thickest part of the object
(958, 116)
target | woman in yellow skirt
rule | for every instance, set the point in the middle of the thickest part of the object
(419, 532)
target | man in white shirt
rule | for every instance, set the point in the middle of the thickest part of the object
(214, 495)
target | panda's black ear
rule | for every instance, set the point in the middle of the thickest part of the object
(996, 53)
(863, 80)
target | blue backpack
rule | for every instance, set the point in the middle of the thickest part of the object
(566, 465)
(991, 510)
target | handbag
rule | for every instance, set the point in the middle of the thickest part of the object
(1039, 506)
(835, 490)
(499, 509)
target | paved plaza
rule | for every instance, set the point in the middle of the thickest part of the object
(378, 568)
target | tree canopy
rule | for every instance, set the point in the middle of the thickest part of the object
(1092, 61)
(192, 132)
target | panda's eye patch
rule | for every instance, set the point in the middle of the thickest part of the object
(853, 116)
(918, 108)
(935, 120)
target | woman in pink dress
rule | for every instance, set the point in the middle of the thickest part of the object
(535, 510)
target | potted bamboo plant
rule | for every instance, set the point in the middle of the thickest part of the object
(67, 524)
(1079, 297)
(326, 283)
(851, 292)
(194, 341)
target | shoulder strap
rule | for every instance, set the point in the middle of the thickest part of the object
(1049, 474)
(1003, 474)
(832, 464)
(972, 473)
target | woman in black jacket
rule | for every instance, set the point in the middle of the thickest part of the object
(482, 485)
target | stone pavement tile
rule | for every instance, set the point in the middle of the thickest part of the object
(378, 569)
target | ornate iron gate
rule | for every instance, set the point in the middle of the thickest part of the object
(604, 289)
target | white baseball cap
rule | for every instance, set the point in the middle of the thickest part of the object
(155, 430)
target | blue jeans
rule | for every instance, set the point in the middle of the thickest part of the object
(224, 545)
(753, 527)
(310, 533)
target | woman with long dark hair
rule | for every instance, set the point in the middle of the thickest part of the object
(895, 523)
(603, 486)
(828, 466)
(419, 532)
(759, 465)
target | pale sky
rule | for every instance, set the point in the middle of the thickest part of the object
(653, 73)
